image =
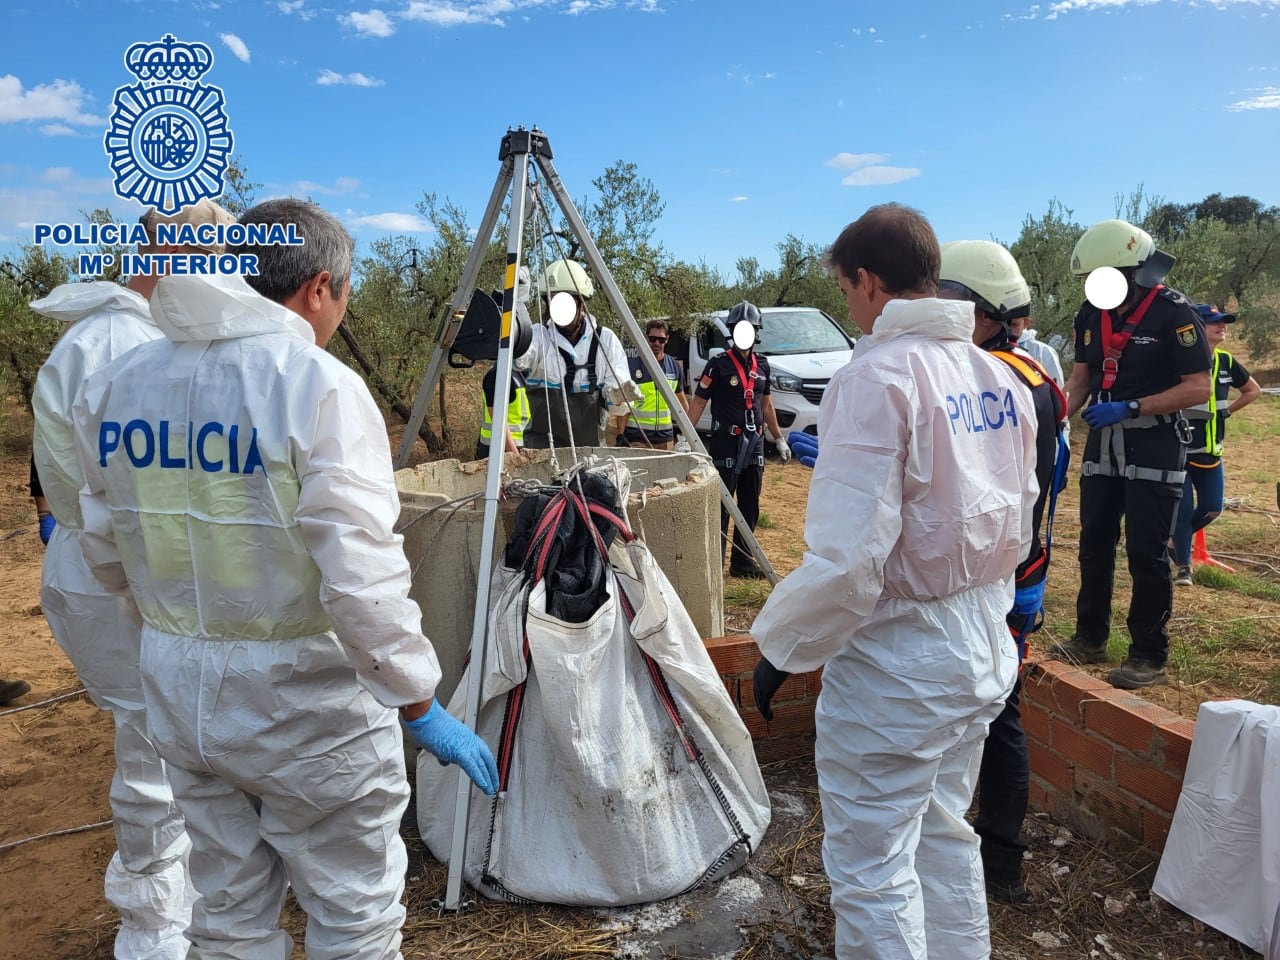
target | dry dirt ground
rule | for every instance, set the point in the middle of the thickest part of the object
(56, 764)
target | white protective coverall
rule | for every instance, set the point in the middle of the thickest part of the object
(919, 510)
(544, 367)
(99, 631)
(239, 477)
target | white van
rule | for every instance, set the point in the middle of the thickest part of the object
(804, 346)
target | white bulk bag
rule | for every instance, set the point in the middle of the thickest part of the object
(1221, 863)
(628, 775)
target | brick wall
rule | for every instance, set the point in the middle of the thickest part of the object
(1102, 760)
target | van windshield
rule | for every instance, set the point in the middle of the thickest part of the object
(790, 331)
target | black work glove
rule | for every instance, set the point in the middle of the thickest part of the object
(765, 682)
(621, 440)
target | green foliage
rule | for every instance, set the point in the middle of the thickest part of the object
(1243, 583)
(799, 280)
(25, 337)
(238, 191)
(1043, 251)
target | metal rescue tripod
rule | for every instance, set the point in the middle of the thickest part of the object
(518, 147)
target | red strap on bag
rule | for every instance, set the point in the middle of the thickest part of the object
(1113, 344)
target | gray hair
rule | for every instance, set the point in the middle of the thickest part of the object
(282, 269)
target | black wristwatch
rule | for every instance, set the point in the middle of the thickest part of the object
(1135, 408)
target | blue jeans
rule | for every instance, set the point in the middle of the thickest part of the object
(1201, 504)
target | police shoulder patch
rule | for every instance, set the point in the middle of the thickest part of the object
(705, 381)
(1088, 337)
(1187, 335)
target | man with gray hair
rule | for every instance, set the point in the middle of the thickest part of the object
(238, 483)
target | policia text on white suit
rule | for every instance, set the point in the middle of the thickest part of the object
(278, 635)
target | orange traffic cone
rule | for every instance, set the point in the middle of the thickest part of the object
(1200, 554)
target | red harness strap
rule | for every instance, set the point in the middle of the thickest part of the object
(1113, 344)
(748, 385)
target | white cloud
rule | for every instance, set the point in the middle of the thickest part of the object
(57, 130)
(1068, 6)
(331, 78)
(577, 7)
(236, 46)
(1268, 98)
(393, 223)
(879, 175)
(869, 169)
(54, 195)
(739, 198)
(341, 185)
(453, 13)
(847, 161)
(61, 100)
(295, 8)
(374, 23)
(645, 6)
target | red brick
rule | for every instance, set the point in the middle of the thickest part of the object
(756, 725)
(1055, 770)
(1124, 719)
(1035, 723)
(790, 719)
(1092, 752)
(1173, 745)
(1141, 778)
(733, 654)
(813, 683)
(732, 684)
(1038, 794)
(1116, 806)
(1061, 688)
(1155, 829)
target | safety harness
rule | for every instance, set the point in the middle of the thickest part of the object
(1111, 437)
(749, 436)
(1033, 375)
(1208, 412)
(571, 367)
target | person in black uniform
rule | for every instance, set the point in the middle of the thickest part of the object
(1138, 367)
(736, 383)
(985, 274)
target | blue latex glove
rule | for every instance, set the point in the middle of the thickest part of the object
(47, 523)
(448, 739)
(1105, 414)
(804, 446)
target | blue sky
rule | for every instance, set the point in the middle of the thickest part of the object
(753, 119)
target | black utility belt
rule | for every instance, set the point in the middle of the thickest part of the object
(733, 429)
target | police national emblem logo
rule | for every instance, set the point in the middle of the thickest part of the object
(1187, 335)
(1088, 337)
(168, 141)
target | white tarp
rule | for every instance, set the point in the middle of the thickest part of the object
(607, 800)
(1221, 863)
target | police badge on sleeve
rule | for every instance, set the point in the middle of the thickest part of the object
(1187, 335)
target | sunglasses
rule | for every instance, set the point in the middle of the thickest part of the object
(657, 339)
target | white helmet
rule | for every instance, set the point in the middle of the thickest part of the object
(567, 276)
(986, 273)
(1119, 244)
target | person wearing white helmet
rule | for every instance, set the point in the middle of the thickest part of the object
(986, 275)
(580, 357)
(1138, 363)
(920, 510)
(146, 878)
(238, 485)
